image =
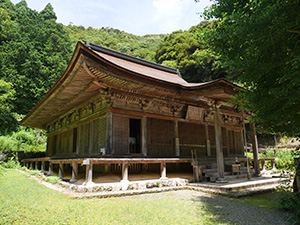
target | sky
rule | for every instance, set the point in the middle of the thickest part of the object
(138, 17)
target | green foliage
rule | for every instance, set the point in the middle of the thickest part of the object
(8, 122)
(260, 40)
(285, 158)
(182, 50)
(52, 179)
(34, 54)
(139, 46)
(288, 199)
(34, 172)
(12, 163)
(25, 139)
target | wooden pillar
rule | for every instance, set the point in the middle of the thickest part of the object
(227, 142)
(177, 146)
(263, 165)
(61, 170)
(89, 174)
(36, 165)
(273, 164)
(254, 149)
(50, 171)
(163, 170)
(78, 140)
(31, 165)
(219, 148)
(43, 166)
(109, 133)
(74, 172)
(208, 150)
(144, 136)
(125, 172)
(92, 125)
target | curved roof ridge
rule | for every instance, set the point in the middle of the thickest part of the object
(134, 59)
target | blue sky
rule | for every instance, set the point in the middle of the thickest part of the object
(138, 17)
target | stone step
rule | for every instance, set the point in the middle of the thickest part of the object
(235, 177)
(215, 174)
(209, 170)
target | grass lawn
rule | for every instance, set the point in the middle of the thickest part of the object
(25, 201)
(267, 200)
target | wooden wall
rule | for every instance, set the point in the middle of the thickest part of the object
(192, 137)
(120, 135)
(90, 138)
(160, 138)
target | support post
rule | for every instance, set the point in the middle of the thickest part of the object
(177, 146)
(74, 172)
(219, 148)
(61, 170)
(31, 165)
(273, 164)
(255, 149)
(263, 165)
(50, 171)
(43, 166)
(88, 174)
(144, 136)
(109, 133)
(163, 170)
(78, 139)
(36, 165)
(92, 124)
(208, 150)
(124, 172)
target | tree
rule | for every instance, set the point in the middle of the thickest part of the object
(34, 55)
(8, 123)
(261, 40)
(182, 50)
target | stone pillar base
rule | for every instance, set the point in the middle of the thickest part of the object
(221, 180)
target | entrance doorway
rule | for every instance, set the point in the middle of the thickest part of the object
(134, 136)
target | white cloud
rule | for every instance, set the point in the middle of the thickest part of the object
(171, 14)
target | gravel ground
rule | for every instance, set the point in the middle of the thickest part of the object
(227, 209)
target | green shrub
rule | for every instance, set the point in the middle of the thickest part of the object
(34, 172)
(53, 179)
(285, 158)
(25, 139)
(289, 200)
(11, 164)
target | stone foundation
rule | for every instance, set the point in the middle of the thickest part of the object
(125, 186)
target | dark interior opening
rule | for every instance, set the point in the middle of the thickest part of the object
(135, 136)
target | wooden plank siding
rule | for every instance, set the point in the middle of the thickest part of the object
(66, 142)
(121, 135)
(160, 138)
(192, 137)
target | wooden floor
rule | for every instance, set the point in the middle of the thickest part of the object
(111, 178)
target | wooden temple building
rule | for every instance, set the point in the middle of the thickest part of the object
(112, 110)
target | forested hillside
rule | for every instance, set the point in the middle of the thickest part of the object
(139, 46)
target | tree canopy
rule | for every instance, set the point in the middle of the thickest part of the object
(261, 41)
(139, 46)
(8, 123)
(34, 52)
(183, 50)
